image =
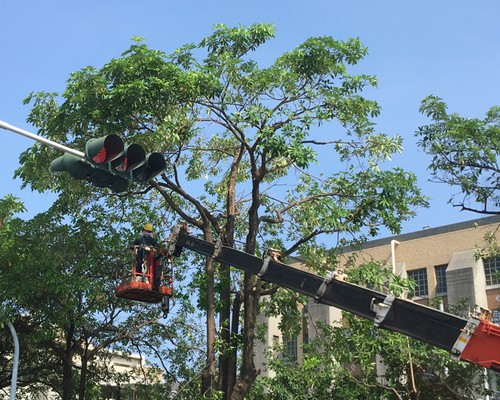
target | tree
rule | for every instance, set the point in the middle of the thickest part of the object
(340, 362)
(464, 154)
(57, 288)
(279, 156)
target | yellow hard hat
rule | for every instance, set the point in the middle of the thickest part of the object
(148, 227)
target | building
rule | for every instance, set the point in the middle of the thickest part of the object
(443, 261)
(135, 368)
(132, 367)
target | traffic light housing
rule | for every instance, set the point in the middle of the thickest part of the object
(103, 150)
(132, 158)
(100, 153)
(79, 169)
(136, 166)
(154, 164)
(107, 163)
(74, 165)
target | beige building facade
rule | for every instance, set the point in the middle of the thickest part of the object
(443, 261)
(132, 366)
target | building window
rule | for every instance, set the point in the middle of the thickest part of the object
(305, 326)
(420, 278)
(495, 316)
(492, 270)
(290, 348)
(440, 271)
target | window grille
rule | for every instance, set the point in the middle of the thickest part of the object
(492, 270)
(495, 316)
(441, 288)
(420, 278)
(290, 348)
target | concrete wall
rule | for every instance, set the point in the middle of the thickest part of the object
(466, 280)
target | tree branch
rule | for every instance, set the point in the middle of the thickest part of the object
(280, 212)
(306, 238)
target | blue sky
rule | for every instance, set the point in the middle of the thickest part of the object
(447, 48)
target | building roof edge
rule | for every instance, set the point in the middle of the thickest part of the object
(428, 232)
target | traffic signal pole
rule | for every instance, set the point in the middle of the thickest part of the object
(48, 142)
(13, 386)
(106, 162)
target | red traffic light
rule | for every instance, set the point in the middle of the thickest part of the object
(104, 149)
(133, 157)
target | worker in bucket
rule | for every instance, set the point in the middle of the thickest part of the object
(146, 239)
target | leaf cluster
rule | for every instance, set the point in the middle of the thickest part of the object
(464, 154)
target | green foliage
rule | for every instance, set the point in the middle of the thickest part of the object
(285, 304)
(224, 115)
(464, 154)
(9, 207)
(236, 42)
(313, 379)
(57, 286)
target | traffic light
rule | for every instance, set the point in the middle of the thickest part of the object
(155, 164)
(74, 165)
(100, 153)
(103, 150)
(135, 165)
(80, 169)
(132, 158)
(106, 163)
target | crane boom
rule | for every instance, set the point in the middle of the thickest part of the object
(474, 340)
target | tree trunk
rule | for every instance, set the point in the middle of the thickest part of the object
(233, 356)
(225, 334)
(67, 372)
(248, 372)
(208, 373)
(83, 377)
(68, 365)
(251, 291)
(227, 361)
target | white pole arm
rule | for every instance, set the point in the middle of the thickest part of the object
(40, 139)
(13, 386)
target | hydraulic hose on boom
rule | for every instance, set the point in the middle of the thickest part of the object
(476, 340)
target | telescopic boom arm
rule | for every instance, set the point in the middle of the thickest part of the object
(475, 340)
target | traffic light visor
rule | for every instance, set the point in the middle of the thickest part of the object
(104, 149)
(133, 157)
(155, 164)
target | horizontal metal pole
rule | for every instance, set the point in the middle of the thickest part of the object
(43, 140)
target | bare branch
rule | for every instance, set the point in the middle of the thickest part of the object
(306, 238)
(171, 202)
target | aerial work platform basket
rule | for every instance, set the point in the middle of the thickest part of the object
(150, 279)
